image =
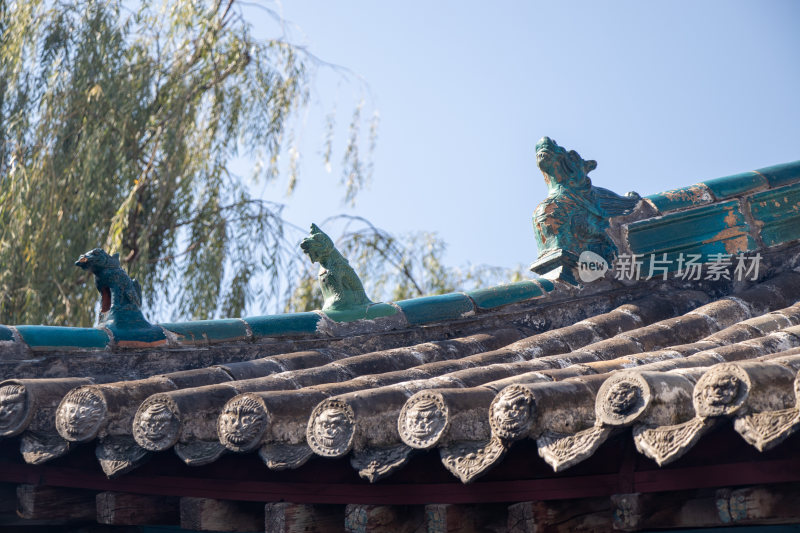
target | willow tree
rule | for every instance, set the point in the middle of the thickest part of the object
(117, 129)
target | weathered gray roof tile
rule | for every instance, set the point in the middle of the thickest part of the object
(567, 388)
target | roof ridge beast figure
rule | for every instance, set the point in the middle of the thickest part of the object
(120, 295)
(341, 287)
(574, 216)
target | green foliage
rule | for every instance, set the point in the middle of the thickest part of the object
(396, 268)
(117, 129)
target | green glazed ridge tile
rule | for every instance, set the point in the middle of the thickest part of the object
(380, 310)
(144, 336)
(681, 198)
(63, 338)
(347, 315)
(6, 334)
(781, 174)
(546, 284)
(286, 324)
(776, 213)
(702, 225)
(781, 232)
(736, 185)
(436, 308)
(499, 295)
(211, 331)
(775, 204)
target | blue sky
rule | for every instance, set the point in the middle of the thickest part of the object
(661, 94)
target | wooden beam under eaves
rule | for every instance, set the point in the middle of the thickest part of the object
(286, 517)
(55, 503)
(125, 509)
(204, 514)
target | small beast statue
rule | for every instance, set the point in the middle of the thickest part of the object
(120, 296)
(574, 216)
(341, 287)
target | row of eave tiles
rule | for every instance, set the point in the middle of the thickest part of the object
(670, 366)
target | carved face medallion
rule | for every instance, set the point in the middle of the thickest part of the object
(156, 426)
(330, 427)
(721, 391)
(422, 420)
(623, 397)
(79, 416)
(511, 413)
(241, 423)
(13, 406)
(157, 422)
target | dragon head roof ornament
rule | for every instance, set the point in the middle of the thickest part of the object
(574, 216)
(120, 296)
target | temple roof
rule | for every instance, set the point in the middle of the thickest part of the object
(556, 363)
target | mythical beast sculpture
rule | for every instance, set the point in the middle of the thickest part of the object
(341, 287)
(574, 216)
(120, 298)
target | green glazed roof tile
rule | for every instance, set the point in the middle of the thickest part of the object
(682, 198)
(783, 174)
(138, 337)
(697, 230)
(211, 331)
(380, 310)
(505, 294)
(44, 338)
(777, 214)
(6, 334)
(436, 308)
(347, 315)
(546, 284)
(735, 185)
(361, 312)
(288, 324)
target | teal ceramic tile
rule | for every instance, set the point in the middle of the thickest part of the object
(47, 338)
(546, 284)
(697, 230)
(685, 197)
(287, 324)
(5, 334)
(735, 185)
(777, 214)
(380, 310)
(436, 308)
(145, 337)
(351, 314)
(211, 331)
(362, 312)
(783, 174)
(505, 294)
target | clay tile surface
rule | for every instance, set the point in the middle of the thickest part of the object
(563, 374)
